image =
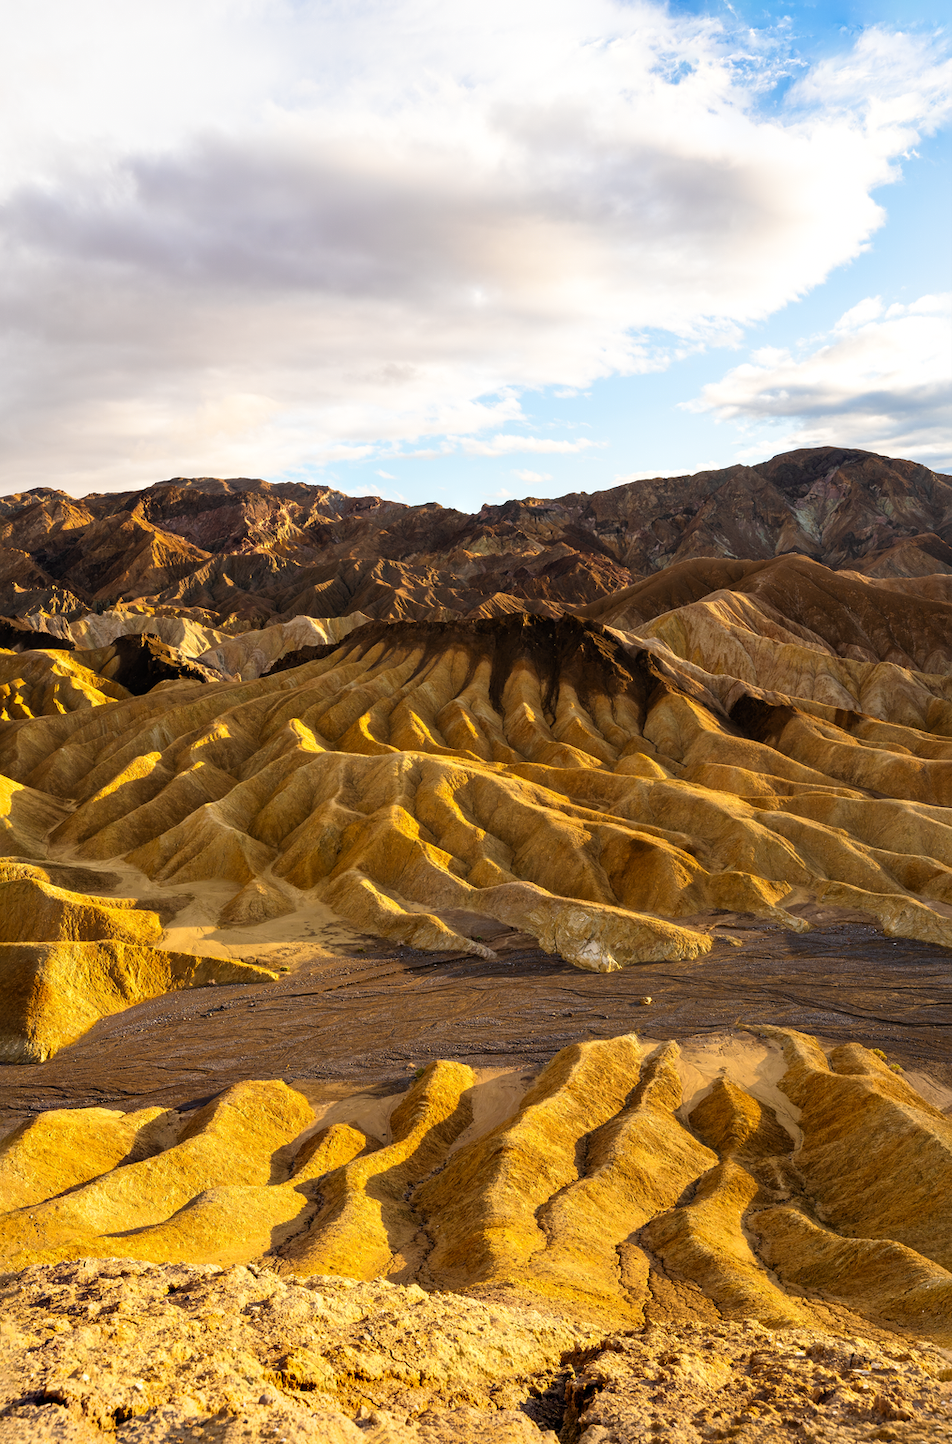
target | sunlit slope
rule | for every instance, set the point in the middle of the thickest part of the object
(39, 684)
(67, 960)
(906, 621)
(793, 1188)
(592, 788)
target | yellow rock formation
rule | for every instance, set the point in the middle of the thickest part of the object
(31, 909)
(602, 1197)
(54, 992)
(366, 1228)
(60, 1149)
(482, 1210)
(579, 1244)
(228, 1142)
(606, 792)
(37, 684)
(899, 1178)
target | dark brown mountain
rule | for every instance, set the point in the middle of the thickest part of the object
(240, 554)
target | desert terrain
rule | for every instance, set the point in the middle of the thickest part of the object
(479, 977)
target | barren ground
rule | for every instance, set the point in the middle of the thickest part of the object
(368, 1019)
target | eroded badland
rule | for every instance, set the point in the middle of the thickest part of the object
(478, 978)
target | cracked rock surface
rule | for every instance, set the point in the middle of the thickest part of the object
(692, 1384)
(169, 1354)
(172, 1352)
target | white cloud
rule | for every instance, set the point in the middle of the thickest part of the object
(869, 309)
(531, 476)
(504, 444)
(881, 79)
(387, 475)
(245, 235)
(690, 470)
(882, 381)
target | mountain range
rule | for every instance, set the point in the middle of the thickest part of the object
(240, 554)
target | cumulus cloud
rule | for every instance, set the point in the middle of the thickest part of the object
(531, 476)
(246, 235)
(882, 380)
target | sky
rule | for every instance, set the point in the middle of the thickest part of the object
(463, 251)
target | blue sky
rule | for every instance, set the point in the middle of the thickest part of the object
(457, 251)
(642, 421)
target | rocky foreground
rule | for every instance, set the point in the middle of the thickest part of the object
(172, 1353)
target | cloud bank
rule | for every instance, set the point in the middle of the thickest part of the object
(881, 381)
(254, 235)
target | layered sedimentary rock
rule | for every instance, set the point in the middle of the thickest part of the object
(797, 1189)
(609, 792)
(794, 599)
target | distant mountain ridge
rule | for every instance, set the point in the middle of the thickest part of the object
(239, 554)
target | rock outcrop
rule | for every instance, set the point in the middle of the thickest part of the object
(798, 1190)
(123, 1350)
(135, 1353)
(694, 1383)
